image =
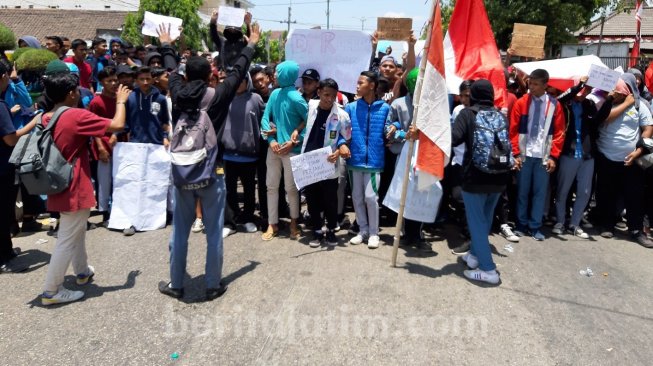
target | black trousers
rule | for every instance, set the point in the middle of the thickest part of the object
(246, 172)
(323, 197)
(614, 182)
(7, 214)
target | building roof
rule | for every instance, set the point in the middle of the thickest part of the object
(620, 24)
(70, 23)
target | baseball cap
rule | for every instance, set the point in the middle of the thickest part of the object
(124, 69)
(311, 74)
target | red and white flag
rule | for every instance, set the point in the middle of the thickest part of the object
(433, 118)
(470, 50)
(634, 54)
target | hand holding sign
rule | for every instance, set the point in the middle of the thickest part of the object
(152, 22)
(602, 78)
(231, 17)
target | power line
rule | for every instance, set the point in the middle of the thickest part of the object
(303, 3)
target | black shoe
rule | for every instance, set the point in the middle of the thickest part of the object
(354, 229)
(642, 240)
(462, 249)
(214, 293)
(423, 245)
(31, 226)
(164, 288)
(331, 238)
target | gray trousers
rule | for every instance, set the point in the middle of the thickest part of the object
(342, 185)
(364, 194)
(571, 169)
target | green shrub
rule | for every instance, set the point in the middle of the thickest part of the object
(7, 39)
(35, 60)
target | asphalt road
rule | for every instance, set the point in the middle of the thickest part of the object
(290, 304)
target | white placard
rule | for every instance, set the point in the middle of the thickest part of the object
(312, 167)
(421, 206)
(152, 21)
(141, 178)
(337, 54)
(603, 78)
(231, 17)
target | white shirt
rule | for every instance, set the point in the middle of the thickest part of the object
(458, 151)
(535, 147)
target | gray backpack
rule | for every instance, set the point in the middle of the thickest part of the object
(40, 166)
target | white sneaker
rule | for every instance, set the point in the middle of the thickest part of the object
(227, 231)
(558, 229)
(250, 227)
(373, 242)
(198, 226)
(483, 276)
(507, 233)
(470, 260)
(63, 296)
(358, 239)
(314, 243)
(579, 233)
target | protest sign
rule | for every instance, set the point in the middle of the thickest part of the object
(152, 21)
(312, 167)
(420, 206)
(229, 16)
(394, 29)
(603, 78)
(528, 40)
(141, 179)
(337, 54)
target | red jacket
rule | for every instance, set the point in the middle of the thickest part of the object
(519, 128)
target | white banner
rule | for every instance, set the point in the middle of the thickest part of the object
(421, 206)
(228, 16)
(337, 54)
(141, 178)
(152, 21)
(312, 167)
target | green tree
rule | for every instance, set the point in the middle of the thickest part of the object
(194, 30)
(276, 48)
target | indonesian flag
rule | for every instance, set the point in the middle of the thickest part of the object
(471, 51)
(634, 54)
(433, 114)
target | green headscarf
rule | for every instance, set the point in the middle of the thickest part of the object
(411, 80)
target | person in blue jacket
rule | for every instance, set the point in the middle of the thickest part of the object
(368, 122)
(148, 120)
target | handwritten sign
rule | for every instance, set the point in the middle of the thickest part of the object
(603, 78)
(528, 40)
(312, 167)
(337, 54)
(229, 16)
(152, 21)
(394, 29)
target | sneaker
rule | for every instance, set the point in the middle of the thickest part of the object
(214, 293)
(358, 239)
(462, 249)
(520, 232)
(607, 234)
(579, 233)
(84, 278)
(354, 229)
(63, 296)
(558, 229)
(621, 225)
(507, 233)
(226, 231)
(342, 223)
(470, 260)
(129, 231)
(373, 242)
(642, 240)
(250, 227)
(317, 240)
(484, 276)
(537, 235)
(423, 245)
(167, 289)
(586, 224)
(331, 239)
(198, 226)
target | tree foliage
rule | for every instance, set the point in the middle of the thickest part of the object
(7, 38)
(276, 48)
(194, 30)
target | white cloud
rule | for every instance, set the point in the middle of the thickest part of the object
(394, 14)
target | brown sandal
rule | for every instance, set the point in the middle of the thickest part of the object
(295, 232)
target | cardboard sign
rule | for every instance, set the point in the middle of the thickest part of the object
(152, 21)
(603, 78)
(337, 54)
(228, 16)
(394, 29)
(528, 40)
(312, 167)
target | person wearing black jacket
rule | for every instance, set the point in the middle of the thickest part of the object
(481, 190)
(577, 157)
(187, 97)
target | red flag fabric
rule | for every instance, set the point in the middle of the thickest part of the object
(634, 54)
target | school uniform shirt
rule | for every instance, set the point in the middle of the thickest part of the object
(105, 107)
(534, 147)
(6, 128)
(619, 138)
(71, 134)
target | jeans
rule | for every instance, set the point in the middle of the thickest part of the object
(104, 184)
(213, 201)
(479, 209)
(582, 171)
(532, 183)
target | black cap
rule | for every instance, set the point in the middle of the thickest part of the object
(311, 74)
(124, 69)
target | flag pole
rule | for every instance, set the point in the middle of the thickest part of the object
(411, 143)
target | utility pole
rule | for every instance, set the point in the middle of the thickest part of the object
(328, 12)
(363, 19)
(289, 17)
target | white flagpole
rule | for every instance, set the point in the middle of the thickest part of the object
(411, 143)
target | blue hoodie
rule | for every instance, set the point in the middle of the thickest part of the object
(146, 115)
(286, 107)
(31, 41)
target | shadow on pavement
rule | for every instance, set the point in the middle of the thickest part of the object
(195, 288)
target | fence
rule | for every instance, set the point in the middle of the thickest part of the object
(625, 62)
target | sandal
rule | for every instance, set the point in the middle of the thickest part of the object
(269, 234)
(295, 232)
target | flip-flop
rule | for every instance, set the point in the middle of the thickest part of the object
(269, 235)
(295, 232)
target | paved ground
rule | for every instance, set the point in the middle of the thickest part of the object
(290, 304)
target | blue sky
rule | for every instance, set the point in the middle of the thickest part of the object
(345, 14)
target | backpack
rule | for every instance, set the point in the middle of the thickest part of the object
(491, 150)
(194, 148)
(40, 166)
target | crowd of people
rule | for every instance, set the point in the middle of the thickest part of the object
(562, 157)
